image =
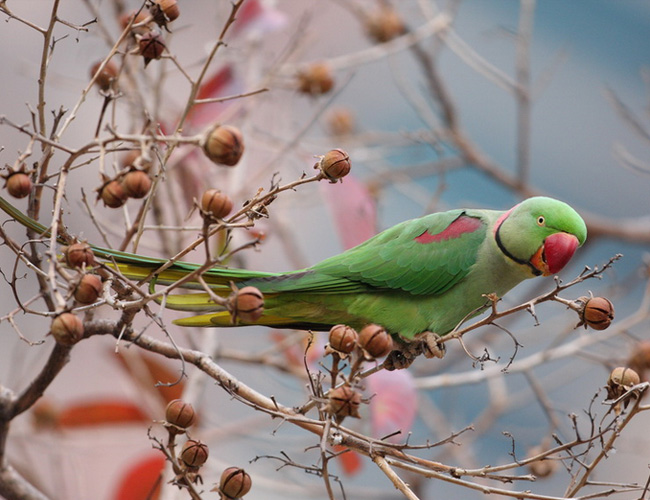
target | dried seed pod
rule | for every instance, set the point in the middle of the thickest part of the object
(136, 183)
(343, 402)
(343, 338)
(621, 379)
(112, 194)
(179, 414)
(385, 24)
(89, 289)
(235, 483)
(340, 122)
(194, 453)
(129, 159)
(67, 329)
(135, 159)
(247, 304)
(316, 79)
(151, 46)
(79, 255)
(224, 144)
(375, 340)
(543, 467)
(140, 17)
(169, 8)
(107, 78)
(45, 415)
(639, 359)
(18, 184)
(335, 164)
(598, 313)
(215, 204)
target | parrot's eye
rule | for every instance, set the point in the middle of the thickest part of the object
(541, 220)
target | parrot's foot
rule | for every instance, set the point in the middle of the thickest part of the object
(426, 343)
(431, 345)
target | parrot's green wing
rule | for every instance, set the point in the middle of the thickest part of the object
(425, 256)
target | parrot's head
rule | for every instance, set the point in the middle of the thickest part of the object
(541, 233)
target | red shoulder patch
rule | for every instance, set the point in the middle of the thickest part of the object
(462, 225)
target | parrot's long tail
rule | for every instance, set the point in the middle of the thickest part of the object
(160, 271)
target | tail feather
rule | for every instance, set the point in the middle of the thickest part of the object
(219, 278)
(26, 221)
(140, 267)
(224, 319)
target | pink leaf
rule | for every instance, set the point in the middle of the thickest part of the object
(394, 405)
(257, 18)
(353, 209)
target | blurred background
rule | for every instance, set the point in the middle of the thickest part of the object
(551, 96)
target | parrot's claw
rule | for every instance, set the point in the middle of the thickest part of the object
(426, 343)
(431, 345)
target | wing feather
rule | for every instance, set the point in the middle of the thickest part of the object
(425, 256)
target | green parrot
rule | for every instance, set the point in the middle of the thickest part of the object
(423, 275)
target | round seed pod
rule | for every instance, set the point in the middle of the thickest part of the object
(340, 122)
(67, 329)
(194, 453)
(385, 24)
(316, 79)
(19, 184)
(343, 338)
(235, 483)
(542, 467)
(136, 184)
(215, 204)
(179, 414)
(112, 194)
(343, 402)
(598, 313)
(375, 340)
(621, 379)
(107, 78)
(140, 17)
(89, 289)
(169, 8)
(134, 159)
(224, 144)
(79, 255)
(335, 164)
(247, 304)
(639, 359)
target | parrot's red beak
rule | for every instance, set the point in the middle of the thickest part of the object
(555, 253)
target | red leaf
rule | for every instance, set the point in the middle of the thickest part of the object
(142, 480)
(215, 86)
(100, 412)
(394, 406)
(350, 460)
(353, 209)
